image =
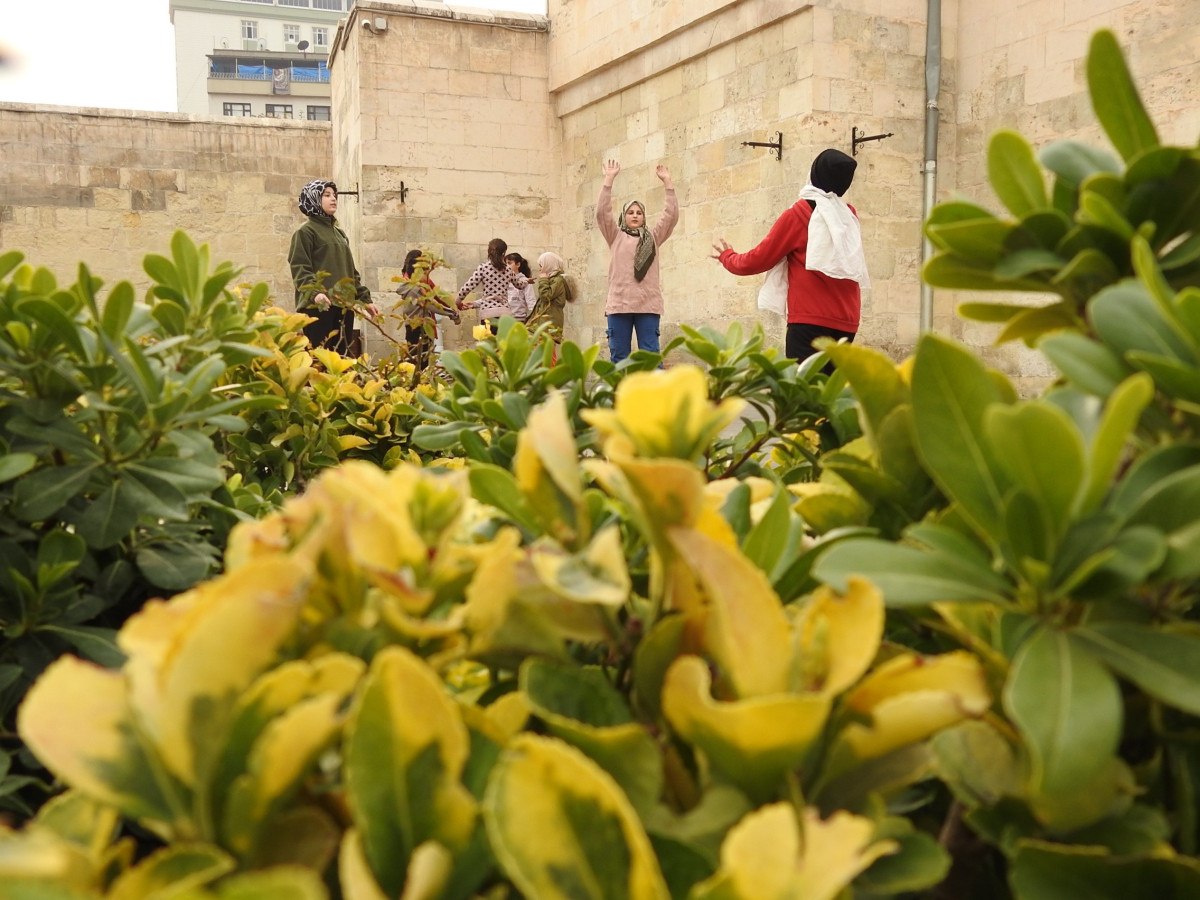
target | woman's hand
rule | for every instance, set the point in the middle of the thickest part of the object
(371, 310)
(321, 301)
(720, 245)
(664, 175)
(611, 168)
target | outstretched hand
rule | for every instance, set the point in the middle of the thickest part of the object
(664, 175)
(611, 168)
(720, 245)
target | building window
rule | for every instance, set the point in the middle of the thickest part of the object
(320, 37)
(293, 2)
(249, 30)
(328, 4)
(236, 109)
(279, 110)
(268, 2)
(291, 34)
(318, 113)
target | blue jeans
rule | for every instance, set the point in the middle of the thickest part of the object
(621, 327)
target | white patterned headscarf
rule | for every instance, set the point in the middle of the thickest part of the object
(310, 199)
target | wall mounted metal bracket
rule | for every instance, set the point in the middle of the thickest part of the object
(353, 193)
(777, 146)
(855, 140)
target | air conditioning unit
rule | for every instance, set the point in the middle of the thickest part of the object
(250, 44)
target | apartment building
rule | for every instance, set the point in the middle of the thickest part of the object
(255, 57)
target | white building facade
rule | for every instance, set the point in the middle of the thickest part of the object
(255, 57)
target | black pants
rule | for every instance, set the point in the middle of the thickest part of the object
(334, 329)
(798, 343)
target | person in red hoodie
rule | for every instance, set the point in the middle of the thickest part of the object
(816, 256)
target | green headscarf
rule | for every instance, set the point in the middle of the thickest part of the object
(644, 255)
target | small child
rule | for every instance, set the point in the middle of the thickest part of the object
(520, 299)
(553, 294)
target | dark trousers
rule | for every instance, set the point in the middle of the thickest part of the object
(334, 329)
(800, 336)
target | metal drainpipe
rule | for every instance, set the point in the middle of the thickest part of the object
(933, 75)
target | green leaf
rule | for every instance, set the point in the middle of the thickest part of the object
(108, 518)
(96, 644)
(1030, 324)
(1121, 415)
(1057, 871)
(1039, 448)
(14, 465)
(909, 577)
(1067, 707)
(46, 491)
(1166, 665)
(1115, 98)
(117, 309)
(175, 565)
(979, 240)
(1015, 175)
(1126, 318)
(497, 487)
(1088, 364)
(1172, 507)
(951, 392)
(1075, 162)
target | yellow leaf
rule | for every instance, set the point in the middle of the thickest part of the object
(665, 413)
(747, 632)
(910, 697)
(839, 634)
(354, 872)
(765, 857)
(190, 658)
(547, 437)
(77, 721)
(752, 743)
(589, 841)
(429, 872)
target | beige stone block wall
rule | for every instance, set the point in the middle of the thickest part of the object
(107, 187)
(454, 104)
(738, 72)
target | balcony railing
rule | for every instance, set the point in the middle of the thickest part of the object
(318, 74)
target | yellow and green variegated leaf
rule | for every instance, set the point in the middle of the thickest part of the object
(765, 856)
(405, 748)
(669, 492)
(372, 512)
(429, 872)
(560, 827)
(77, 721)
(278, 883)
(177, 868)
(281, 756)
(500, 627)
(191, 657)
(35, 863)
(665, 413)
(581, 707)
(908, 699)
(838, 636)
(301, 835)
(747, 632)
(752, 743)
(90, 825)
(598, 575)
(547, 444)
(272, 695)
(354, 872)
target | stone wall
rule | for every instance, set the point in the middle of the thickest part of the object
(443, 118)
(106, 187)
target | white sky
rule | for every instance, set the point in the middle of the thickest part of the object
(118, 54)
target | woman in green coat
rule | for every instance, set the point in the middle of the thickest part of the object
(320, 258)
